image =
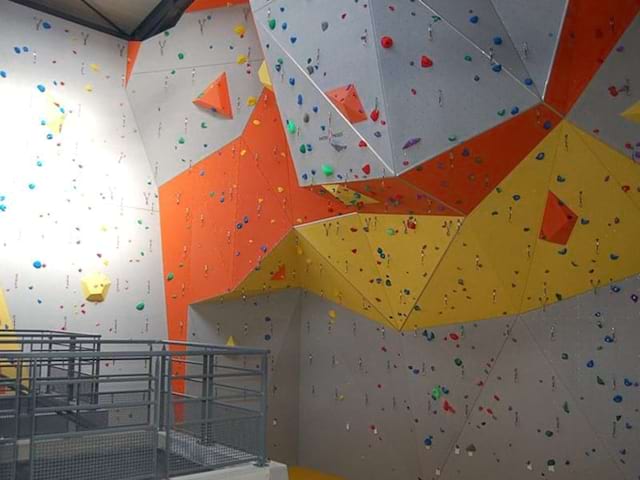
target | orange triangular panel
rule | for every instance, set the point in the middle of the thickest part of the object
(133, 48)
(463, 176)
(346, 100)
(591, 29)
(281, 273)
(558, 221)
(216, 97)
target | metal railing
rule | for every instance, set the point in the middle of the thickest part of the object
(76, 407)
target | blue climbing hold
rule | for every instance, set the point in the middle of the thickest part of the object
(292, 81)
(37, 264)
(46, 25)
(474, 19)
(590, 364)
(3, 74)
(41, 88)
(515, 111)
(497, 40)
(497, 68)
(617, 398)
(528, 82)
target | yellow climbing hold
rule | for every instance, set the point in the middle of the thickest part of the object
(95, 67)
(88, 88)
(95, 287)
(263, 75)
(633, 112)
(239, 30)
(332, 314)
(231, 342)
(251, 101)
(241, 59)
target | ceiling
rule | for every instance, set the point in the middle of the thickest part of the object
(127, 19)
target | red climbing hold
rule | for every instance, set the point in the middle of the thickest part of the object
(386, 42)
(366, 169)
(558, 221)
(362, 144)
(426, 62)
(346, 99)
(375, 115)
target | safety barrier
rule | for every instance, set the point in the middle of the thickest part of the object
(76, 407)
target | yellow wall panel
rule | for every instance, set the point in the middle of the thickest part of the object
(406, 251)
(319, 276)
(603, 245)
(507, 223)
(464, 287)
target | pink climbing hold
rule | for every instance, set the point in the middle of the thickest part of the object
(386, 42)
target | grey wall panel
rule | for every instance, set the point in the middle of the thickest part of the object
(526, 423)
(447, 103)
(534, 29)
(611, 92)
(354, 403)
(201, 38)
(591, 342)
(447, 364)
(336, 48)
(83, 201)
(333, 141)
(177, 134)
(479, 22)
(272, 322)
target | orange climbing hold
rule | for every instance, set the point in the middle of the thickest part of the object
(346, 99)
(216, 97)
(558, 221)
(133, 48)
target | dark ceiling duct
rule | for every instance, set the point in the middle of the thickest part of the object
(126, 19)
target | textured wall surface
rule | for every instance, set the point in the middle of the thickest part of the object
(77, 195)
(550, 393)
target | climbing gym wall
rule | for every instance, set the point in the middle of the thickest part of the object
(79, 223)
(440, 198)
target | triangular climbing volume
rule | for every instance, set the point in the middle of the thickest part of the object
(632, 113)
(558, 221)
(347, 100)
(216, 97)
(133, 48)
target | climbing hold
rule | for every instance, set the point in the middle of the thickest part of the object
(140, 306)
(42, 88)
(366, 169)
(426, 62)
(327, 170)
(291, 127)
(386, 42)
(170, 276)
(272, 23)
(240, 30)
(324, 26)
(95, 287)
(474, 19)
(37, 264)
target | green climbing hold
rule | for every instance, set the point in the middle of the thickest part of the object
(436, 393)
(280, 61)
(548, 433)
(565, 407)
(458, 362)
(453, 138)
(391, 231)
(600, 380)
(327, 169)
(272, 23)
(204, 125)
(181, 56)
(170, 276)
(303, 148)
(502, 112)
(468, 58)
(291, 126)
(140, 306)
(181, 141)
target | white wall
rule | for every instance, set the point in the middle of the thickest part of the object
(93, 205)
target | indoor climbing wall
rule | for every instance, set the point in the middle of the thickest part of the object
(551, 393)
(425, 209)
(79, 223)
